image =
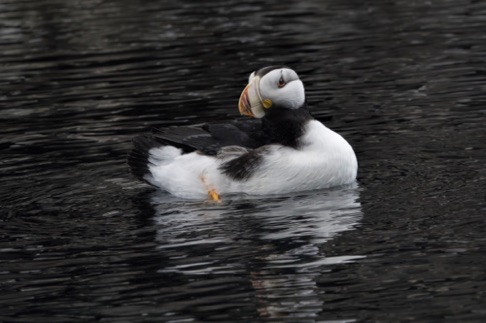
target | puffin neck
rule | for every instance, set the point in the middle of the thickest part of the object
(285, 126)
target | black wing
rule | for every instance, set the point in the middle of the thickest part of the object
(210, 138)
(206, 138)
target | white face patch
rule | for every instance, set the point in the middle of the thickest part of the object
(289, 96)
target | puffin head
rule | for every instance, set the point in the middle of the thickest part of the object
(273, 87)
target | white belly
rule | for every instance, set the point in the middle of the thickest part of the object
(324, 159)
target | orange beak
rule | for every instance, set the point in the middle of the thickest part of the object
(244, 104)
(250, 103)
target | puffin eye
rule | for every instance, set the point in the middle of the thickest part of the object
(281, 82)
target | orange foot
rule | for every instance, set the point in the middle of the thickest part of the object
(212, 193)
(214, 196)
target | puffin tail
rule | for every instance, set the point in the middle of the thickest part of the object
(148, 153)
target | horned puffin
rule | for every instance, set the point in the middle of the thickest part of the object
(280, 149)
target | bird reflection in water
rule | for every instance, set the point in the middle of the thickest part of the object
(274, 242)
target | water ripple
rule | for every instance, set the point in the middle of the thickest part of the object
(81, 240)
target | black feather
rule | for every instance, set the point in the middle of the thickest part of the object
(279, 126)
(210, 138)
(206, 138)
(138, 158)
(241, 168)
(285, 126)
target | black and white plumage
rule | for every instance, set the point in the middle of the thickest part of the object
(283, 149)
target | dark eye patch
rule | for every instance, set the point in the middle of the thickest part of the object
(261, 72)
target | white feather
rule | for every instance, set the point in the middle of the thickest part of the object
(291, 96)
(324, 159)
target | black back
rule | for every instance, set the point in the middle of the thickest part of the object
(279, 126)
(210, 138)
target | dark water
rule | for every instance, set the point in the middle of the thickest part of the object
(81, 240)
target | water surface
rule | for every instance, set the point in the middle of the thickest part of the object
(81, 240)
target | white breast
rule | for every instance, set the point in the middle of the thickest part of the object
(323, 160)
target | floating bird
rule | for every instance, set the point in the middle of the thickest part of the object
(281, 149)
